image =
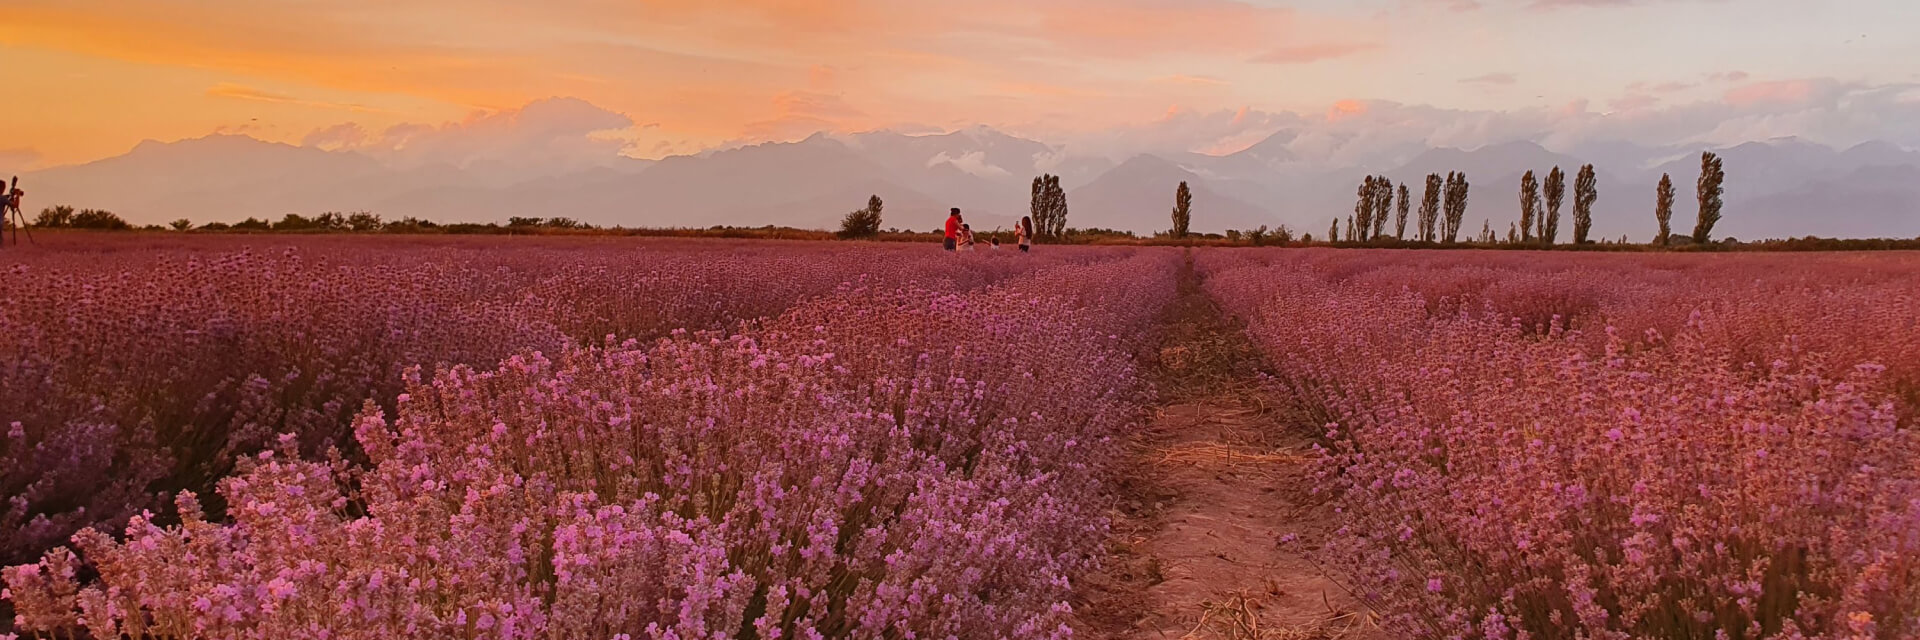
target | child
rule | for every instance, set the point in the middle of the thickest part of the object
(994, 244)
(966, 237)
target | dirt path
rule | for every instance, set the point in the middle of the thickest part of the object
(1215, 480)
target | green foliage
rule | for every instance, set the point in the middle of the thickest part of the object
(1529, 205)
(1048, 207)
(1586, 189)
(54, 217)
(364, 221)
(1333, 232)
(410, 224)
(1182, 210)
(1663, 209)
(99, 219)
(295, 222)
(1430, 208)
(863, 223)
(330, 221)
(1709, 192)
(182, 224)
(1456, 205)
(514, 224)
(1363, 209)
(1400, 213)
(1382, 206)
(1556, 192)
(251, 224)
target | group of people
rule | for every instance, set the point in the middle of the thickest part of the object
(960, 234)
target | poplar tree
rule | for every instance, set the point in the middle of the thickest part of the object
(1456, 204)
(1556, 192)
(1382, 206)
(1362, 210)
(1400, 214)
(863, 223)
(1529, 205)
(1182, 210)
(1048, 207)
(1663, 209)
(1038, 208)
(1710, 191)
(1586, 189)
(1430, 208)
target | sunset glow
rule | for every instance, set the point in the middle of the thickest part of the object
(88, 80)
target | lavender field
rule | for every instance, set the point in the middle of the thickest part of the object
(283, 437)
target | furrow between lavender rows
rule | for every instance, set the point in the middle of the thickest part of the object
(1559, 446)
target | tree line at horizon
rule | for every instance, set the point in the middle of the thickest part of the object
(1438, 219)
(1540, 206)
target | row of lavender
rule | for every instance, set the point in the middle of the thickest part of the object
(1568, 446)
(128, 372)
(890, 460)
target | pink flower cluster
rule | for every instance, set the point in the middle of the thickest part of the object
(1534, 445)
(886, 460)
(129, 372)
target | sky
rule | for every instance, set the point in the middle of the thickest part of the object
(87, 80)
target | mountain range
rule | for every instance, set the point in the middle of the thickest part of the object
(1775, 188)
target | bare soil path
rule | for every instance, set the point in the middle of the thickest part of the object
(1212, 483)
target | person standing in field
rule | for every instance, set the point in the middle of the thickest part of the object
(1024, 232)
(953, 228)
(966, 237)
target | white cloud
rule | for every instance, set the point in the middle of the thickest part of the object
(1378, 133)
(974, 162)
(549, 136)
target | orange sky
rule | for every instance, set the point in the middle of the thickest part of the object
(90, 79)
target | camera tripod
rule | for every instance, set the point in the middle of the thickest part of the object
(10, 214)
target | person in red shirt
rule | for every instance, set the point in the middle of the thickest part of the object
(953, 228)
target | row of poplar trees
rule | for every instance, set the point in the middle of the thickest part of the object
(1542, 223)
(1443, 206)
(1540, 204)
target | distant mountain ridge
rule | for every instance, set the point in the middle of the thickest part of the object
(1775, 188)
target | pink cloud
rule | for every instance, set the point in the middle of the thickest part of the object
(1312, 53)
(242, 92)
(1181, 78)
(1782, 92)
(1634, 102)
(1346, 109)
(1501, 79)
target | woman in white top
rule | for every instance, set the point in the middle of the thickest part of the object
(1024, 232)
(966, 237)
